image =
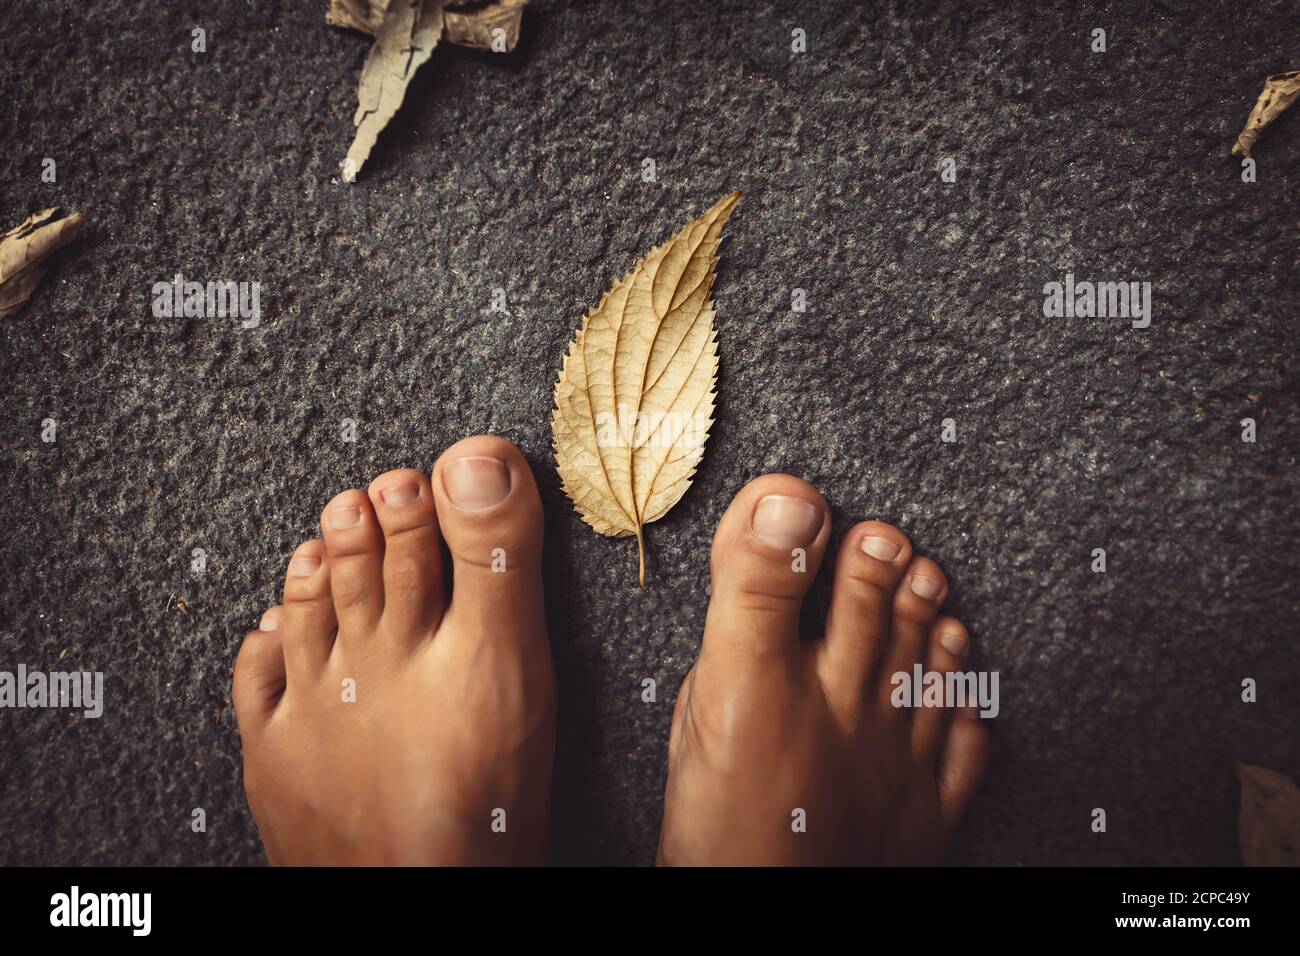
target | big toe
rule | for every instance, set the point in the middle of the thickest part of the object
(766, 551)
(491, 518)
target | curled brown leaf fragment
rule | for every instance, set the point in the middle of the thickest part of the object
(405, 32)
(1268, 830)
(1280, 91)
(486, 26)
(363, 15)
(25, 247)
(635, 397)
(467, 22)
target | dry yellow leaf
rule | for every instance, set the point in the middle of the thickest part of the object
(1268, 829)
(635, 397)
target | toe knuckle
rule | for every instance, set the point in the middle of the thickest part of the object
(866, 580)
(766, 598)
(349, 595)
(304, 592)
(420, 537)
(405, 577)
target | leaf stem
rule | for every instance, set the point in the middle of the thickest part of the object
(640, 552)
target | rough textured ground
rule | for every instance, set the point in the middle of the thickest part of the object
(1119, 690)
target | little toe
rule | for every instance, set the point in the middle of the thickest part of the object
(413, 588)
(259, 679)
(963, 760)
(948, 645)
(307, 621)
(355, 544)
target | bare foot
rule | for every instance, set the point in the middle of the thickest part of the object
(785, 752)
(385, 721)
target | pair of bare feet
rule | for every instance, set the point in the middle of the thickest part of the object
(385, 720)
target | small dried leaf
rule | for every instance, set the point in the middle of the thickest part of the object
(1280, 91)
(635, 398)
(25, 247)
(407, 34)
(1269, 827)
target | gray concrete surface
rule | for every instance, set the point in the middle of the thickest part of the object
(1119, 690)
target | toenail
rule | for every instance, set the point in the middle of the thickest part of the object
(954, 642)
(344, 517)
(927, 588)
(269, 623)
(786, 522)
(476, 482)
(302, 566)
(399, 495)
(882, 549)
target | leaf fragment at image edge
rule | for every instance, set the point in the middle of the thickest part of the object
(1280, 91)
(1268, 829)
(635, 397)
(25, 247)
